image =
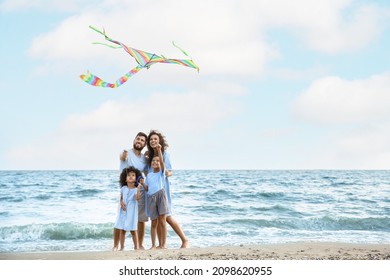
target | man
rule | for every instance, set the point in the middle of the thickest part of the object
(134, 157)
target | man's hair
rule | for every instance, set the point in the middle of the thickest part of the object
(141, 134)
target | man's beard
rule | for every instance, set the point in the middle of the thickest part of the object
(137, 148)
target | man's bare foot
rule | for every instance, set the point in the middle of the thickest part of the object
(186, 244)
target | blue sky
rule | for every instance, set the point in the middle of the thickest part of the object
(282, 84)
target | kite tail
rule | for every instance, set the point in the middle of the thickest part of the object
(191, 62)
(107, 45)
(93, 80)
(141, 57)
(126, 76)
(107, 38)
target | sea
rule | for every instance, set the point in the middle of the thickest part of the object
(76, 210)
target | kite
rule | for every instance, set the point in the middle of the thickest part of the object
(144, 60)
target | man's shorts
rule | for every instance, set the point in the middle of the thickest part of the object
(158, 204)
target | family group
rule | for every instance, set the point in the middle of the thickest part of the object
(145, 194)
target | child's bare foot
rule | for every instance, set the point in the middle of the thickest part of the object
(186, 244)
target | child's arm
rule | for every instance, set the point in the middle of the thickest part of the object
(138, 195)
(146, 187)
(143, 183)
(160, 155)
(123, 205)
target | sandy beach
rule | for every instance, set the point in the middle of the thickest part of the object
(289, 251)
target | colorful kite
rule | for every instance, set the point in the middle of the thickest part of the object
(144, 60)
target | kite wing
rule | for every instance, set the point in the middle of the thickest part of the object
(144, 60)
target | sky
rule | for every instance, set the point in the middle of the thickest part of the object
(282, 84)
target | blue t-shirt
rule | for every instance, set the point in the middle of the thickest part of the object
(155, 181)
(137, 162)
(168, 166)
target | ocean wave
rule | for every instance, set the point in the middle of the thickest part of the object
(271, 194)
(67, 210)
(11, 199)
(58, 231)
(277, 209)
(315, 224)
(85, 192)
(43, 197)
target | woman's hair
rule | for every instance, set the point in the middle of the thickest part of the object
(162, 141)
(125, 171)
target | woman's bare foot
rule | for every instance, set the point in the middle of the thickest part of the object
(153, 248)
(185, 244)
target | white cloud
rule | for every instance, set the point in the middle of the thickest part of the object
(348, 35)
(215, 41)
(368, 140)
(355, 116)
(93, 140)
(223, 37)
(333, 26)
(332, 100)
(361, 147)
(297, 75)
(46, 5)
(275, 133)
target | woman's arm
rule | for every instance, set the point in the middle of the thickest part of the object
(167, 164)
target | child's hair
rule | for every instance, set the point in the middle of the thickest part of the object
(125, 171)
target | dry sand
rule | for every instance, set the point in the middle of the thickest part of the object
(289, 251)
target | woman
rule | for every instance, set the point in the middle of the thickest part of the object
(155, 139)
